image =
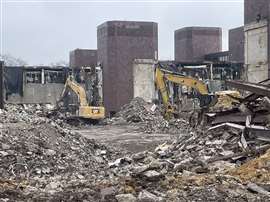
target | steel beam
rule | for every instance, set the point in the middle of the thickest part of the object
(258, 89)
(253, 96)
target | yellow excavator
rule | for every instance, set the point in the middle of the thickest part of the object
(207, 99)
(82, 109)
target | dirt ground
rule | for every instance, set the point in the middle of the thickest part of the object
(126, 137)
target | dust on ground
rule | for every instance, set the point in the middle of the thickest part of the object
(126, 137)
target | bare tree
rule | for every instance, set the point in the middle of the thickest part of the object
(9, 60)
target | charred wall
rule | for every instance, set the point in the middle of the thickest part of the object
(34, 85)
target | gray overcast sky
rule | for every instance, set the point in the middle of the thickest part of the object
(41, 33)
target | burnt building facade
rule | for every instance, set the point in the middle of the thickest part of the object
(119, 44)
(34, 84)
(82, 58)
(236, 44)
(218, 57)
(193, 43)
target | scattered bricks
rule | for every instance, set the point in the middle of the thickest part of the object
(139, 112)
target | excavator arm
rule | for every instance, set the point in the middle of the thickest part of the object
(77, 89)
(206, 100)
(161, 85)
(84, 110)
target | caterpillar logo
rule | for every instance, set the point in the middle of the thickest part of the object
(95, 111)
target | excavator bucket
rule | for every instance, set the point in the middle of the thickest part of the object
(207, 101)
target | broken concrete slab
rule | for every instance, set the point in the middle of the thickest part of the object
(151, 174)
(125, 198)
(145, 196)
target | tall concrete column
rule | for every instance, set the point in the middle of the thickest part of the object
(1, 84)
(42, 76)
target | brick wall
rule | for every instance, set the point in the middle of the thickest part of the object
(83, 58)
(119, 43)
(192, 43)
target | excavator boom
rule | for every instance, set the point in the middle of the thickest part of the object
(77, 89)
(206, 99)
(83, 109)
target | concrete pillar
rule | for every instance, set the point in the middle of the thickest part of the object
(42, 76)
(1, 84)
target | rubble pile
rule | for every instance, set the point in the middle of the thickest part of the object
(149, 118)
(256, 170)
(42, 113)
(40, 159)
(204, 152)
(200, 165)
(252, 113)
(45, 150)
(33, 114)
(138, 110)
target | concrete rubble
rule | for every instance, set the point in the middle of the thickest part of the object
(149, 118)
(42, 159)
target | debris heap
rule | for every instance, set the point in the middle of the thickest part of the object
(148, 117)
(200, 165)
(41, 160)
(45, 150)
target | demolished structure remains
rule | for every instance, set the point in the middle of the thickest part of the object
(193, 129)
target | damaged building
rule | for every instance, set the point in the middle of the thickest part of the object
(34, 84)
(177, 132)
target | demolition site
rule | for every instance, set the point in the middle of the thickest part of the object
(121, 124)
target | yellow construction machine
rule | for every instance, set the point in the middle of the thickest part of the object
(81, 109)
(207, 99)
